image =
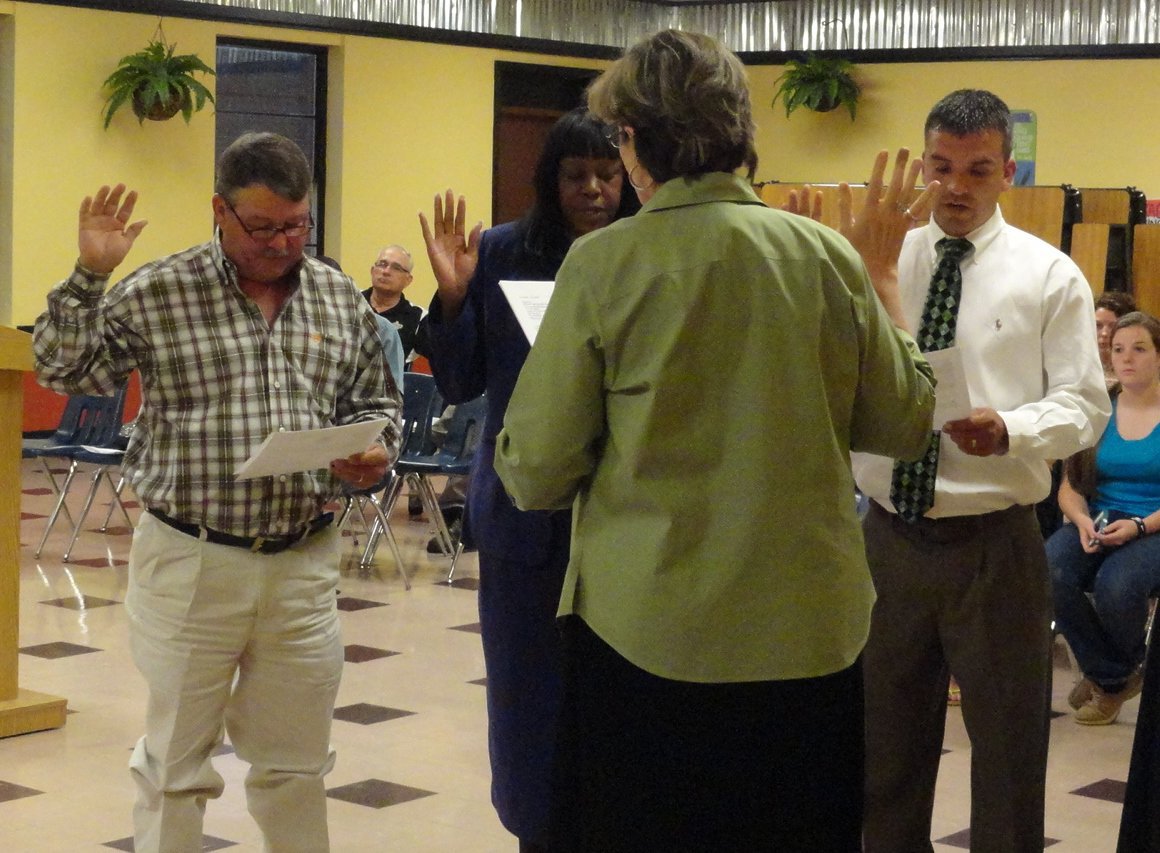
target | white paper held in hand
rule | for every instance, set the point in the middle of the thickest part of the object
(952, 399)
(310, 449)
(529, 301)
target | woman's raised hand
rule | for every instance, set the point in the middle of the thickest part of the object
(453, 253)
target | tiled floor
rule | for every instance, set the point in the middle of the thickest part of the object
(410, 726)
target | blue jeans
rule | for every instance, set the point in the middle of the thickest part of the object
(1105, 631)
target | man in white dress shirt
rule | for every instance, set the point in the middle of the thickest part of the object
(964, 588)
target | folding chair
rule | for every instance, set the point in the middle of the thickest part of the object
(76, 411)
(94, 440)
(453, 457)
(421, 403)
(379, 527)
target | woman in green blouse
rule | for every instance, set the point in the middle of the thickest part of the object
(701, 374)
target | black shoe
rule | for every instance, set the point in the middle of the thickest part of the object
(414, 506)
(455, 528)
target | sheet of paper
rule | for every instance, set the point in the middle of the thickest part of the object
(952, 399)
(529, 301)
(307, 450)
(107, 450)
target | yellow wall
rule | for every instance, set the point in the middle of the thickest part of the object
(409, 119)
(1097, 119)
(406, 121)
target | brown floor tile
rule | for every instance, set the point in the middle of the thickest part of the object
(82, 602)
(377, 794)
(52, 651)
(208, 843)
(361, 654)
(1111, 790)
(349, 604)
(9, 791)
(365, 714)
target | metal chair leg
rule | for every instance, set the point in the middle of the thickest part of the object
(55, 488)
(56, 510)
(431, 506)
(118, 490)
(93, 489)
(384, 525)
(454, 560)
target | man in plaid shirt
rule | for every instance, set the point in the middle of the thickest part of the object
(231, 593)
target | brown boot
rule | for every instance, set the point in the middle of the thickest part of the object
(1103, 708)
(1080, 693)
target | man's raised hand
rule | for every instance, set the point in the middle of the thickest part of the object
(104, 234)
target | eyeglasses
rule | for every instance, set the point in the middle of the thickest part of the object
(391, 265)
(616, 136)
(265, 235)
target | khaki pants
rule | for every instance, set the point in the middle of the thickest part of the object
(248, 643)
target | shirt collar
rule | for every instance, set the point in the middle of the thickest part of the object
(701, 189)
(981, 238)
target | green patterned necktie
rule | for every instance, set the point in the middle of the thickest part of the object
(912, 486)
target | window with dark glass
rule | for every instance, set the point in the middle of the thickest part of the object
(269, 86)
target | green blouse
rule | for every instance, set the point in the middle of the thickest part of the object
(700, 376)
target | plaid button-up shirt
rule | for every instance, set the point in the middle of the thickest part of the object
(216, 379)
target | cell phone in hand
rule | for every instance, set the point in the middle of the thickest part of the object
(1099, 522)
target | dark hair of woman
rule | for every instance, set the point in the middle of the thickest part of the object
(576, 134)
(1116, 301)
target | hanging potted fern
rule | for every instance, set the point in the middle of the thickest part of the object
(820, 84)
(157, 83)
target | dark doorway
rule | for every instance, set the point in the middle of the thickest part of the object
(528, 100)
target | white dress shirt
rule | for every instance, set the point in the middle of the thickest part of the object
(1026, 329)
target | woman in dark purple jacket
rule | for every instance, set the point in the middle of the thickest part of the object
(476, 345)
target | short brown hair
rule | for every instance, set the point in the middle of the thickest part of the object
(1146, 321)
(687, 100)
(967, 111)
(269, 159)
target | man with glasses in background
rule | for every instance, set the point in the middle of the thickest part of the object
(231, 595)
(390, 275)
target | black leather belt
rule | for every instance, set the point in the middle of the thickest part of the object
(953, 528)
(257, 544)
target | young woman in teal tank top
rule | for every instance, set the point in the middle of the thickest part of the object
(1105, 565)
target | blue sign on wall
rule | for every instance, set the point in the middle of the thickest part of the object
(1023, 146)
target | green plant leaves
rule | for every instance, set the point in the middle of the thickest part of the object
(818, 83)
(154, 76)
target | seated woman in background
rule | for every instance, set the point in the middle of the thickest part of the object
(1110, 307)
(1112, 497)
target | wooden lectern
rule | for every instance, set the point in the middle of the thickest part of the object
(21, 711)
